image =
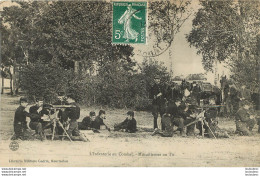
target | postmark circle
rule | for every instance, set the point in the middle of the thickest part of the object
(14, 146)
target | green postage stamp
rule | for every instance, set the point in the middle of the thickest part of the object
(129, 22)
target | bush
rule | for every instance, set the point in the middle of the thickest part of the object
(43, 80)
(117, 85)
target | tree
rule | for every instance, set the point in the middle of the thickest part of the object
(19, 26)
(81, 31)
(213, 31)
(166, 19)
(227, 31)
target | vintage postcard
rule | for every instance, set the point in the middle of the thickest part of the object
(130, 83)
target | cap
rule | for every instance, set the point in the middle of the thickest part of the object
(92, 113)
(39, 99)
(23, 99)
(101, 112)
(131, 113)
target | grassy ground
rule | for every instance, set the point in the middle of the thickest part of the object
(124, 149)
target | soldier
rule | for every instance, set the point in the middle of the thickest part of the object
(234, 100)
(189, 112)
(196, 93)
(128, 125)
(245, 94)
(176, 111)
(87, 122)
(210, 116)
(98, 122)
(36, 122)
(245, 120)
(20, 120)
(158, 103)
(73, 114)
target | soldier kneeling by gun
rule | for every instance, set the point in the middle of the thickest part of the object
(173, 116)
(245, 119)
(210, 122)
(74, 114)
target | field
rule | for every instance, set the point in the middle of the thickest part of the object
(124, 149)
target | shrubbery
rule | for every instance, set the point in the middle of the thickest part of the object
(116, 85)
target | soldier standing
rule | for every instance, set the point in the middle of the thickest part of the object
(158, 103)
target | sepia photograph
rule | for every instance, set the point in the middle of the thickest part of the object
(120, 83)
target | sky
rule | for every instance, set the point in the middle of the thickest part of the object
(185, 58)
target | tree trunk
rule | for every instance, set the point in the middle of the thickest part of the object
(11, 85)
(15, 85)
(3, 84)
(11, 80)
(76, 67)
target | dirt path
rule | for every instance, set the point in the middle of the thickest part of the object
(121, 149)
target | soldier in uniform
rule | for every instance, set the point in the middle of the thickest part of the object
(37, 111)
(99, 121)
(189, 112)
(128, 125)
(177, 116)
(245, 120)
(20, 120)
(73, 114)
(196, 93)
(87, 122)
(158, 103)
(210, 116)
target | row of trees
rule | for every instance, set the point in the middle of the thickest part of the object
(66, 46)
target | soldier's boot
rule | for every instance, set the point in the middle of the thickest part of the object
(83, 138)
(42, 136)
(183, 131)
(156, 131)
(226, 135)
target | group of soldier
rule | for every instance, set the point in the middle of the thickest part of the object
(174, 108)
(186, 106)
(68, 113)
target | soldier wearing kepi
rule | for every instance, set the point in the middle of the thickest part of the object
(20, 120)
(128, 125)
(99, 121)
(245, 120)
(74, 114)
(87, 122)
(177, 116)
(36, 122)
(158, 103)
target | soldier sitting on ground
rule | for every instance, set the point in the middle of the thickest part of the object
(37, 114)
(74, 114)
(98, 123)
(245, 119)
(87, 122)
(128, 125)
(173, 116)
(210, 115)
(190, 114)
(20, 124)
